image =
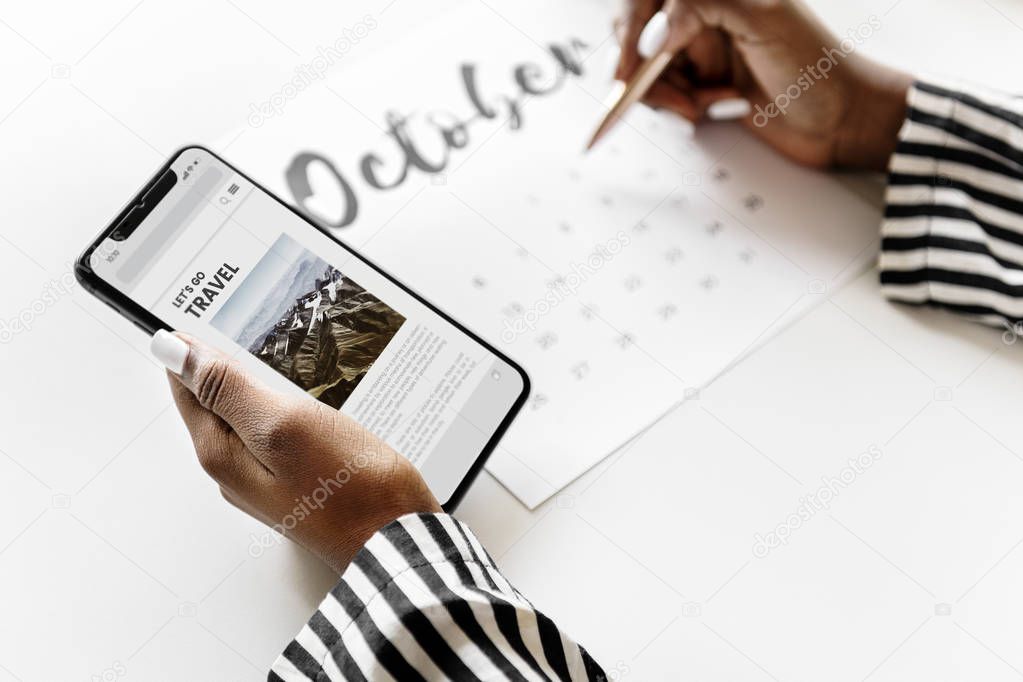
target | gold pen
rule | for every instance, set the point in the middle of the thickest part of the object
(651, 41)
(631, 92)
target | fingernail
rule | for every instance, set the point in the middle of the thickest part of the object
(728, 109)
(169, 350)
(651, 40)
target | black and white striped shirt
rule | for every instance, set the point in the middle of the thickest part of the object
(424, 600)
(953, 230)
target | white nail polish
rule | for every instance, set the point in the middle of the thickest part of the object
(169, 350)
(651, 40)
(728, 109)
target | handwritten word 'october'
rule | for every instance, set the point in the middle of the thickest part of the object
(453, 131)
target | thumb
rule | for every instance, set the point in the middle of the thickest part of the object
(218, 383)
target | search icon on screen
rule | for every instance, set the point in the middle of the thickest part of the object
(231, 194)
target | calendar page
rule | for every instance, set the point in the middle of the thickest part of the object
(623, 280)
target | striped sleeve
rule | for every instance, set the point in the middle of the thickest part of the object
(953, 229)
(424, 601)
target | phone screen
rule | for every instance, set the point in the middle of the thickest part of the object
(222, 259)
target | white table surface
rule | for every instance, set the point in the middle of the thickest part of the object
(118, 557)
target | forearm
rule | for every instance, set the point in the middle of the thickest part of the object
(953, 229)
(423, 599)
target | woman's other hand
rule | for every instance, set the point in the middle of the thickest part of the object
(813, 97)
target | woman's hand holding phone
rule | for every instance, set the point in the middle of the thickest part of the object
(299, 466)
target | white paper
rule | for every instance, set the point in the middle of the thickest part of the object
(716, 240)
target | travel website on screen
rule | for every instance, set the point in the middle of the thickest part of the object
(223, 260)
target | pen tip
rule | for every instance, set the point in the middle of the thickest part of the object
(613, 103)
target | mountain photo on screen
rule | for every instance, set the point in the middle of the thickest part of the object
(305, 319)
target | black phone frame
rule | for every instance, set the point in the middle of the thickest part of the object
(150, 323)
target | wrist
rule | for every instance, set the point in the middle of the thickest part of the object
(350, 535)
(346, 547)
(877, 112)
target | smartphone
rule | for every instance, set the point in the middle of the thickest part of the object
(204, 249)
